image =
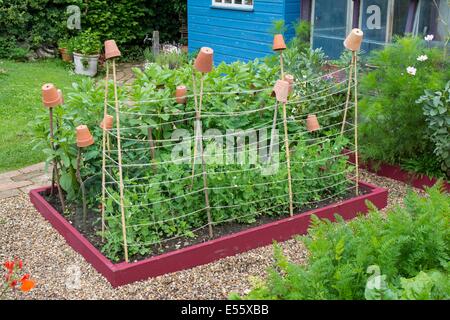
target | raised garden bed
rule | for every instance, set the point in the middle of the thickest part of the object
(202, 253)
(397, 173)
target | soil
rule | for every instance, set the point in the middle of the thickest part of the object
(92, 229)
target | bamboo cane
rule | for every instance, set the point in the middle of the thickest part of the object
(83, 189)
(105, 141)
(152, 148)
(281, 65)
(288, 160)
(194, 85)
(119, 149)
(347, 101)
(356, 122)
(55, 163)
(272, 134)
(200, 144)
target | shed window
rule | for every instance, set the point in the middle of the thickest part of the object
(233, 4)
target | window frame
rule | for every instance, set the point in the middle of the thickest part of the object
(233, 5)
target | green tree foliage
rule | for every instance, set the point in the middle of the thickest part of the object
(29, 24)
(410, 247)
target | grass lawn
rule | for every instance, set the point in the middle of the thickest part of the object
(20, 98)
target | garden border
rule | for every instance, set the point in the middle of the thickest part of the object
(395, 172)
(124, 273)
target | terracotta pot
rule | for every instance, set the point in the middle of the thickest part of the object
(65, 55)
(84, 137)
(312, 124)
(289, 78)
(51, 96)
(180, 94)
(204, 60)
(281, 90)
(354, 40)
(61, 96)
(109, 121)
(111, 50)
(278, 42)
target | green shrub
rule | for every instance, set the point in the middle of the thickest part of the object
(86, 43)
(34, 23)
(393, 126)
(435, 107)
(342, 256)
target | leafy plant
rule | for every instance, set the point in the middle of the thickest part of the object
(402, 246)
(393, 127)
(156, 209)
(435, 107)
(86, 43)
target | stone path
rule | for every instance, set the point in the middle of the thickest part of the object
(124, 73)
(20, 181)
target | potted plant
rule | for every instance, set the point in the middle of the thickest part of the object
(63, 48)
(86, 52)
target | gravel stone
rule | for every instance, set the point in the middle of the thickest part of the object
(61, 273)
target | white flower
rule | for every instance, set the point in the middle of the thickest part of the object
(411, 70)
(422, 58)
(429, 37)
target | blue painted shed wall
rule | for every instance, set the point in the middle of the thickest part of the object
(235, 34)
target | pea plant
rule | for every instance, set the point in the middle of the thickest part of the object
(162, 199)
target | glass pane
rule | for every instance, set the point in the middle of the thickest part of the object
(374, 19)
(227, 1)
(330, 26)
(400, 16)
(330, 18)
(432, 19)
(249, 2)
(237, 1)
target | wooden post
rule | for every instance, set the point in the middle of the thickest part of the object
(155, 45)
(105, 141)
(347, 101)
(288, 160)
(55, 163)
(83, 190)
(356, 121)
(119, 151)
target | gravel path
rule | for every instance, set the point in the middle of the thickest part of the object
(56, 267)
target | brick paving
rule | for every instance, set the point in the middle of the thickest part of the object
(14, 183)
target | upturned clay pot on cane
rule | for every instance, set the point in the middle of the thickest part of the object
(278, 42)
(107, 122)
(281, 90)
(84, 137)
(180, 94)
(312, 124)
(290, 78)
(51, 96)
(354, 40)
(204, 60)
(111, 50)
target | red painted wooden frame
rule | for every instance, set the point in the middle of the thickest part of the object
(185, 258)
(396, 173)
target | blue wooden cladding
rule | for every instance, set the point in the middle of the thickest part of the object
(239, 34)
